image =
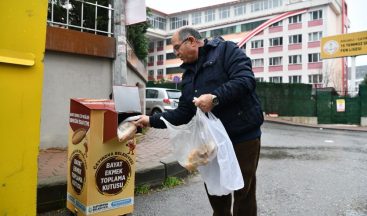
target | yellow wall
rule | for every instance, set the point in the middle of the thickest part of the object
(22, 37)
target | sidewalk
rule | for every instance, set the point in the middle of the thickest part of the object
(153, 164)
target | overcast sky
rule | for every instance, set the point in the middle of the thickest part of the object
(356, 9)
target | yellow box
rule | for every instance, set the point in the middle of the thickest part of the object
(101, 170)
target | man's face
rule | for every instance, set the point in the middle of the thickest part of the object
(185, 49)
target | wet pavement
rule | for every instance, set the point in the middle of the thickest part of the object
(302, 171)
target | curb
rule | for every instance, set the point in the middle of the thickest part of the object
(323, 126)
(53, 196)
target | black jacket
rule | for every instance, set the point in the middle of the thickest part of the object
(223, 70)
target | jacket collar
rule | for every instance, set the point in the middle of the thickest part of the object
(208, 44)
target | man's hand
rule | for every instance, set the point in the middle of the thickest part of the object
(142, 122)
(204, 102)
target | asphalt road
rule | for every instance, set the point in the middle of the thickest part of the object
(302, 171)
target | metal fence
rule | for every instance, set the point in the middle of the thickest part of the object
(81, 15)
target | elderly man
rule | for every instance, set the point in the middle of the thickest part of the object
(220, 76)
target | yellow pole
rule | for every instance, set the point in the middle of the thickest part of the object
(22, 46)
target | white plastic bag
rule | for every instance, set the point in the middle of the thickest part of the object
(221, 174)
(193, 144)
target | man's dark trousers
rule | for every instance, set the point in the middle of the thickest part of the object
(244, 199)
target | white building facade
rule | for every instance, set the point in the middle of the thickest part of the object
(282, 37)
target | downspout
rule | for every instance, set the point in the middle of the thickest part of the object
(344, 81)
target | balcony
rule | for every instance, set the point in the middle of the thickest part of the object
(275, 68)
(159, 48)
(295, 46)
(313, 44)
(257, 51)
(150, 78)
(314, 65)
(293, 26)
(276, 49)
(275, 29)
(159, 62)
(295, 67)
(315, 23)
(150, 64)
(258, 69)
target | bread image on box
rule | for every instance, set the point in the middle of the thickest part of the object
(78, 135)
(101, 169)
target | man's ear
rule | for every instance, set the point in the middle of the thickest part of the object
(192, 40)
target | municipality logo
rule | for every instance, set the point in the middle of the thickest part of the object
(331, 47)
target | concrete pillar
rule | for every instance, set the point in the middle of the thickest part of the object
(119, 69)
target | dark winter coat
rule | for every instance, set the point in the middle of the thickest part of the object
(223, 70)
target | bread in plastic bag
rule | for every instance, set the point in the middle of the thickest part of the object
(126, 129)
(193, 145)
(204, 144)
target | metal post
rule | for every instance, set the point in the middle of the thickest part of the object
(52, 13)
(119, 76)
(353, 76)
(67, 14)
(95, 20)
(109, 19)
(82, 19)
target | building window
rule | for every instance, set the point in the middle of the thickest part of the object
(259, 79)
(275, 61)
(239, 10)
(170, 56)
(157, 22)
(280, 23)
(150, 72)
(314, 57)
(278, 41)
(210, 15)
(196, 18)
(250, 26)
(295, 19)
(295, 79)
(314, 36)
(257, 44)
(168, 41)
(151, 46)
(174, 70)
(294, 39)
(179, 21)
(295, 59)
(223, 31)
(150, 60)
(315, 15)
(257, 62)
(276, 79)
(160, 45)
(224, 13)
(160, 58)
(160, 72)
(315, 78)
(265, 4)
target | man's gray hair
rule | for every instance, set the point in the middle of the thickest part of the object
(185, 32)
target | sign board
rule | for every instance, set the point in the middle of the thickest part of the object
(176, 79)
(340, 105)
(101, 169)
(344, 45)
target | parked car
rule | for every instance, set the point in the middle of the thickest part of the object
(158, 100)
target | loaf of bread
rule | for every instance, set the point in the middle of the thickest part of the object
(200, 156)
(126, 131)
(78, 135)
